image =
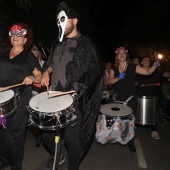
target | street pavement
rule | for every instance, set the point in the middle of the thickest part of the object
(151, 154)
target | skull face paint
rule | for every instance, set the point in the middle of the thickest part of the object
(61, 23)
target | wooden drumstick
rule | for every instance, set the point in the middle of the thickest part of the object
(61, 93)
(9, 87)
(157, 84)
(48, 90)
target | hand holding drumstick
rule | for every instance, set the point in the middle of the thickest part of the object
(46, 79)
(9, 87)
(27, 81)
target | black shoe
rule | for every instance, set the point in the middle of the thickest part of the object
(3, 165)
(49, 164)
(61, 160)
(132, 148)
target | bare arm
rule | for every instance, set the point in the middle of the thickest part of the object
(46, 77)
(37, 75)
(112, 79)
(141, 70)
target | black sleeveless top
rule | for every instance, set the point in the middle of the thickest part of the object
(126, 87)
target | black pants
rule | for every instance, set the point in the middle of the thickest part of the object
(72, 142)
(12, 138)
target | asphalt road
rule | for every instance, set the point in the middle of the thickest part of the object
(151, 154)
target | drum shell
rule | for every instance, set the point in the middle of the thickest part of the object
(48, 121)
(114, 110)
(9, 106)
(146, 110)
(111, 119)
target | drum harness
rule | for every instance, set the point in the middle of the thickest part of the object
(124, 103)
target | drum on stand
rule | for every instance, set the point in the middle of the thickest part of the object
(8, 103)
(52, 114)
(45, 112)
(146, 110)
(115, 124)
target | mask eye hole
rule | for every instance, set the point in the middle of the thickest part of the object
(62, 19)
(18, 34)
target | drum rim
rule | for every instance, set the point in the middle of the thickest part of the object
(146, 97)
(116, 104)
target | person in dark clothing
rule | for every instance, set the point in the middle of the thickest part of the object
(123, 77)
(151, 86)
(18, 66)
(74, 66)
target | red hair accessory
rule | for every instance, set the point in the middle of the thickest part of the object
(16, 27)
(17, 30)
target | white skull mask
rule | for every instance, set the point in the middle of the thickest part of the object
(61, 23)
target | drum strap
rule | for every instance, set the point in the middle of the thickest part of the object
(129, 99)
(125, 103)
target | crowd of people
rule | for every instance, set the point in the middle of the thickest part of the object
(74, 63)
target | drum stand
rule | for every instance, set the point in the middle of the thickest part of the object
(57, 146)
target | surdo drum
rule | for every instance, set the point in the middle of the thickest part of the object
(115, 124)
(115, 110)
(46, 112)
(146, 110)
(8, 103)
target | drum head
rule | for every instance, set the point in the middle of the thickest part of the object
(42, 103)
(115, 109)
(6, 95)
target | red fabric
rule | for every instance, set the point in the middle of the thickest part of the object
(37, 84)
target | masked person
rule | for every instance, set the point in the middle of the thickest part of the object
(18, 66)
(122, 76)
(74, 66)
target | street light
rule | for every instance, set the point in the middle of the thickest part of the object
(160, 56)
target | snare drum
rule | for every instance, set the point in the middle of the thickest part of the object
(115, 124)
(44, 111)
(8, 104)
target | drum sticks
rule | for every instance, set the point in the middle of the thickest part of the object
(157, 84)
(61, 93)
(9, 87)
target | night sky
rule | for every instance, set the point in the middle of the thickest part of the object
(140, 25)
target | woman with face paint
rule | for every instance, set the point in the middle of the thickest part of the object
(18, 67)
(74, 66)
(123, 77)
